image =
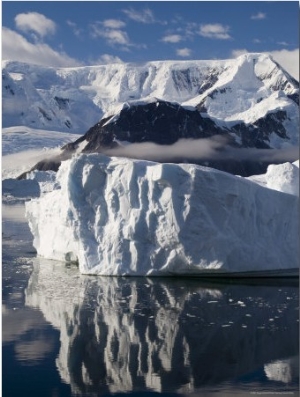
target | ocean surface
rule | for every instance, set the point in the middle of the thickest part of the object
(64, 334)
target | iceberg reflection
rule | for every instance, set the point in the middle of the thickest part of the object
(177, 334)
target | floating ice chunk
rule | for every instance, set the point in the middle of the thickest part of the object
(281, 370)
(283, 177)
(45, 179)
(36, 184)
(13, 189)
(118, 216)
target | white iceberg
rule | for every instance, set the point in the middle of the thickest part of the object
(282, 177)
(282, 370)
(117, 216)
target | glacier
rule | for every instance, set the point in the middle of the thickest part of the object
(118, 216)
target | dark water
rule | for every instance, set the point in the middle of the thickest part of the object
(65, 334)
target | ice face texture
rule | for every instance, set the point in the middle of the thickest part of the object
(117, 216)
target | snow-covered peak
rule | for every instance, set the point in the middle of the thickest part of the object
(115, 110)
(241, 90)
(74, 99)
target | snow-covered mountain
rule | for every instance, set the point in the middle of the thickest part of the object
(250, 90)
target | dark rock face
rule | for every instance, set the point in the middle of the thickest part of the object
(165, 123)
(159, 122)
(258, 134)
(294, 97)
(52, 164)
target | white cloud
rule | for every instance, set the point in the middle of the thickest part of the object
(15, 47)
(215, 31)
(172, 38)
(238, 52)
(289, 60)
(258, 16)
(184, 52)
(113, 36)
(36, 23)
(76, 30)
(113, 23)
(284, 43)
(106, 59)
(109, 29)
(144, 16)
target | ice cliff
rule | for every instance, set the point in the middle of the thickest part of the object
(117, 216)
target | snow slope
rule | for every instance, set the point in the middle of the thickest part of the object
(74, 99)
(117, 216)
(252, 79)
(23, 147)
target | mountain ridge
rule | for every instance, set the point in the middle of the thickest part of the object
(74, 99)
(250, 101)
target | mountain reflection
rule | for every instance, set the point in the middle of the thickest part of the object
(178, 334)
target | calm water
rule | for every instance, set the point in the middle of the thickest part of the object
(66, 335)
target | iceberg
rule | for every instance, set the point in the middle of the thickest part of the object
(118, 216)
(284, 177)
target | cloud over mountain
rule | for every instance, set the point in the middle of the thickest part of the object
(288, 59)
(17, 47)
(215, 31)
(35, 22)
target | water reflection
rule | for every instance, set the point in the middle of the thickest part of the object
(18, 328)
(164, 334)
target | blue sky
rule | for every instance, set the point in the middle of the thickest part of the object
(72, 33)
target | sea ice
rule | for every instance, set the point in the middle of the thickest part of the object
(35, 185)
(117, 216)
(13, 189)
